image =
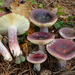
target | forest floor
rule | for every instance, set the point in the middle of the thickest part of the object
(66, 14)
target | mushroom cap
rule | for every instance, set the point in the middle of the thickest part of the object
(37, 57)
(42, 17)
(13, 19)
(67, 33)
(62, 49)
(40, 38)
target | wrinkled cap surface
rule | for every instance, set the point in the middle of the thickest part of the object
(67, 33)
(62, 49)
(40, 38)
(13, 19)
(37, 57)
(42, 17)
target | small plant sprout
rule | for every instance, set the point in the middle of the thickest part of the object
(4, 51)
(19, 59)
(43, 19)
(41, 39)
(1, 3)
(62, 49)
(37, 57)
(40, 6)
(58, 12)
(14, 24)
(67, 33)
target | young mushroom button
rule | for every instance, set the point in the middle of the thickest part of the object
(43, 18)
(14, 24)
(67, 33)
(37, 57)
(63, 49)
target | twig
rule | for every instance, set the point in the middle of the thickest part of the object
(14, 70)
(29, 68)
(72, 68)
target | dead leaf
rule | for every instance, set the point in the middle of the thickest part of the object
(55, 10)
(22, 9)
(25, 49)
(30, 31)
(64, 17)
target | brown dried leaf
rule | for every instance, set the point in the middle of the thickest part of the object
(22, 9)
(25, 49)
(54, 10)
(30, 31)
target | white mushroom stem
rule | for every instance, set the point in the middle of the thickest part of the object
(13, 42)
(44, 29)
(42, 48)
(37, 67)
(62, 63)
(4, 51)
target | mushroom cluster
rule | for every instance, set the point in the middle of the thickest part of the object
(62, 49)
(43, 19)
(16, 24)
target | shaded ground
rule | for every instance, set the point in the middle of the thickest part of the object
(25, 68)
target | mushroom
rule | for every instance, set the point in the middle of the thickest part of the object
(41, 38)
(43, 18)
(14, 24)
(4, 51)
(37, 57)
(67, 33)
(62, 49)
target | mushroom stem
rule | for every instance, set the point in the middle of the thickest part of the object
(62, 63)
(42, 48)
(13, 42)
(44, 29)
(5, 53)
(37, 67)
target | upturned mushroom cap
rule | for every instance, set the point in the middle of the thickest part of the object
(67, 33)
(37, 57)
(62, 49)
(41, 38)
(42, 17)
(13, 19)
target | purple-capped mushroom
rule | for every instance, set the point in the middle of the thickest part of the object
(41, 39)
(67, 33)
(14, 24)
(4, 51)
(43, 18)
(62, 49)
(37, 57)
